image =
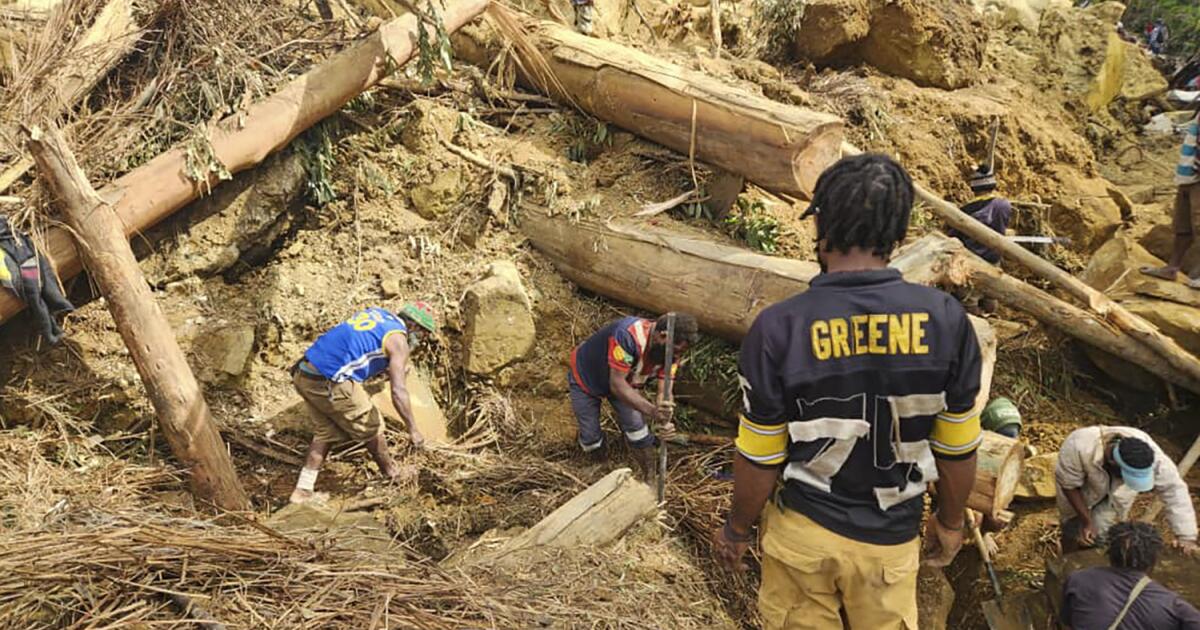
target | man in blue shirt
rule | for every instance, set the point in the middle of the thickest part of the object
(330, 376)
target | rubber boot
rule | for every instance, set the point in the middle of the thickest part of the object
(647, 463)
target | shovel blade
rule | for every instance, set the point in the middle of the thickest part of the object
(1010, 618)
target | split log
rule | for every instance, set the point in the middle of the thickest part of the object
(182, 412)
(155, 190)
(1138, 329)
(597, 516)
(779, 147)
(997, 474)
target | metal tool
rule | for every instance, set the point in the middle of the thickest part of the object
(665, 395)
(1041, 240)
(991, 154)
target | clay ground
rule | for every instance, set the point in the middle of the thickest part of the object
(371, 207)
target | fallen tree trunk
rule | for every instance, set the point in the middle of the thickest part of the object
(1144, 333)
(779, 147)
(153, 191)
(182, 412)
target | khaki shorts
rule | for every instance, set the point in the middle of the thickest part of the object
(1186, 218)
(810, 576)
(341, 412)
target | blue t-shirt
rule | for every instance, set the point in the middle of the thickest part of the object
(353, 350)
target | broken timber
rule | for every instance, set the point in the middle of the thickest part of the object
(597, 516)
(779, 147)
(182, 412)
(153, 191)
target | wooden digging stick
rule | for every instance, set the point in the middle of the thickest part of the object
(665, 395)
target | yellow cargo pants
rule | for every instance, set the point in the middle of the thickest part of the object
(810, 575)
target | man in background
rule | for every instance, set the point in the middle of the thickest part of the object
(1099, 474)
(1121, 595)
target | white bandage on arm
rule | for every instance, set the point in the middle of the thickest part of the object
(308, 479)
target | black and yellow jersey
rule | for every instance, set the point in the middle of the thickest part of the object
(855, 386)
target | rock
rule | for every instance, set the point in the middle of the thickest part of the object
(938, 43)
(241, 220)
(499, 320)
(223, 352)
(1037, 477)
(332, 524)
(1024, 13)
(935, 599)
(1116, 260)
(434, 199)
(389, 287)
(430, 419)
(1161, 239)
(830, 25)
(429, 123)
(934, 43)
(1082, 208)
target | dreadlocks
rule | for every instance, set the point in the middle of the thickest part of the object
(863, 201)
(1133, 545)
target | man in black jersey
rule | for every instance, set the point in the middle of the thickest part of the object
(858, 393)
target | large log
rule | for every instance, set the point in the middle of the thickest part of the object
(155, 190)
(182, 412)
(1144, 333)
(779, 147)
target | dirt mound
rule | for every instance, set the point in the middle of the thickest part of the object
(1026, 14)
(933, 43)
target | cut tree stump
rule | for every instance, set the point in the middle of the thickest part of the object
(595, 517)
(779, 147)
(182, 412)
(153, 191)
(997, 474)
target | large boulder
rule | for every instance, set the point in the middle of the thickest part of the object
(432, 200)
(1160, 239)
(1082, 208)
(1169, 306)
(239, 221)
(1037, 477)
(938, 43)
(1024, 13)
(498, 317)
(222, 353)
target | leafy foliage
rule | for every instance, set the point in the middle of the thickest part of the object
(750, 222)
(434, 49)
(316, 153)
(776, 26)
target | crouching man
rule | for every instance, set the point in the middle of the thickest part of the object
(330, 380)
(613, 364)
(1100, 472)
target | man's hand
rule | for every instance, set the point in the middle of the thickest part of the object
(1087, 534)
(416, 440)
(667, 431)
(941, 543)
(1188, 547)
(728, 552)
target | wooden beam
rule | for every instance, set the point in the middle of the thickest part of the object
(182, 412)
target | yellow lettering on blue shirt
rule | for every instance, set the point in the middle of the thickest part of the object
(876, 333)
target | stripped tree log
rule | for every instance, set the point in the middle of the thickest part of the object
(155, 190)
(779, 147)
(1186, 364)
(182, 412)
